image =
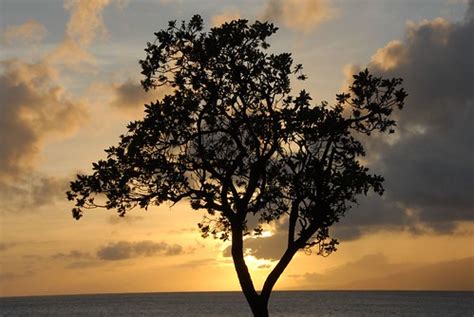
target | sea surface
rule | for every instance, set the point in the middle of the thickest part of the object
(294, 303)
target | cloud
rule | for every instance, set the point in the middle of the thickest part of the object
(5, 245)
(428, 165)
(193, 264)
(115, 251)
(31, 192)
(389, 56)
(76, 259)
(86, 22)
(130, 96)
(8, 276)
(126, 250)
(226, 16)
(71, 54)
(84, 264)
(449, 275)
(30, 32)
(270, 248)
(375, 272)
(266, 247)
(33, 106)
(85, 26)
(299, 15)
(73, 254)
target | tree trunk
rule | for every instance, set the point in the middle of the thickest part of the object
(260, 309)
(257, 303)
(276, 272)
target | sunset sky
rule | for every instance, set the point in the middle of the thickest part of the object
(70, 83)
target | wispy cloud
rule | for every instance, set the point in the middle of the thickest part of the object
(73, 254)
(30, 32)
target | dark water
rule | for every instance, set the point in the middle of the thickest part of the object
(312, 303)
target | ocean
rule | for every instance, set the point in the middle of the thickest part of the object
(291, 303)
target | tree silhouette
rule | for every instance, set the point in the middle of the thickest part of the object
(232, 140)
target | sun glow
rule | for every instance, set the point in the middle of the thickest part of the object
(257, 264)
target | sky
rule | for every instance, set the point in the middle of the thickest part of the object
(70, 83)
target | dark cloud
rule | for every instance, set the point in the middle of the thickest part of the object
(125, 250)
(428, 167)
(130, 96)
(270, 248)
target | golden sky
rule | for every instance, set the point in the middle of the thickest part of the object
(69, 83)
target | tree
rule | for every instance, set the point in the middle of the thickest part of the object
(231, 139)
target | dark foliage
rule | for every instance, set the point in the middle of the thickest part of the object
(231, 139)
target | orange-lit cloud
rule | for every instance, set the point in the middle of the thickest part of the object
(34, 105)
(86, 22)
(226, 16)
(85, 25)
(389, 56)
(34, 108)
(70, 53)
(31, 32)
(300, 15)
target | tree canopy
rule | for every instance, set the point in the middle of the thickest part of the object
(233, 140)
